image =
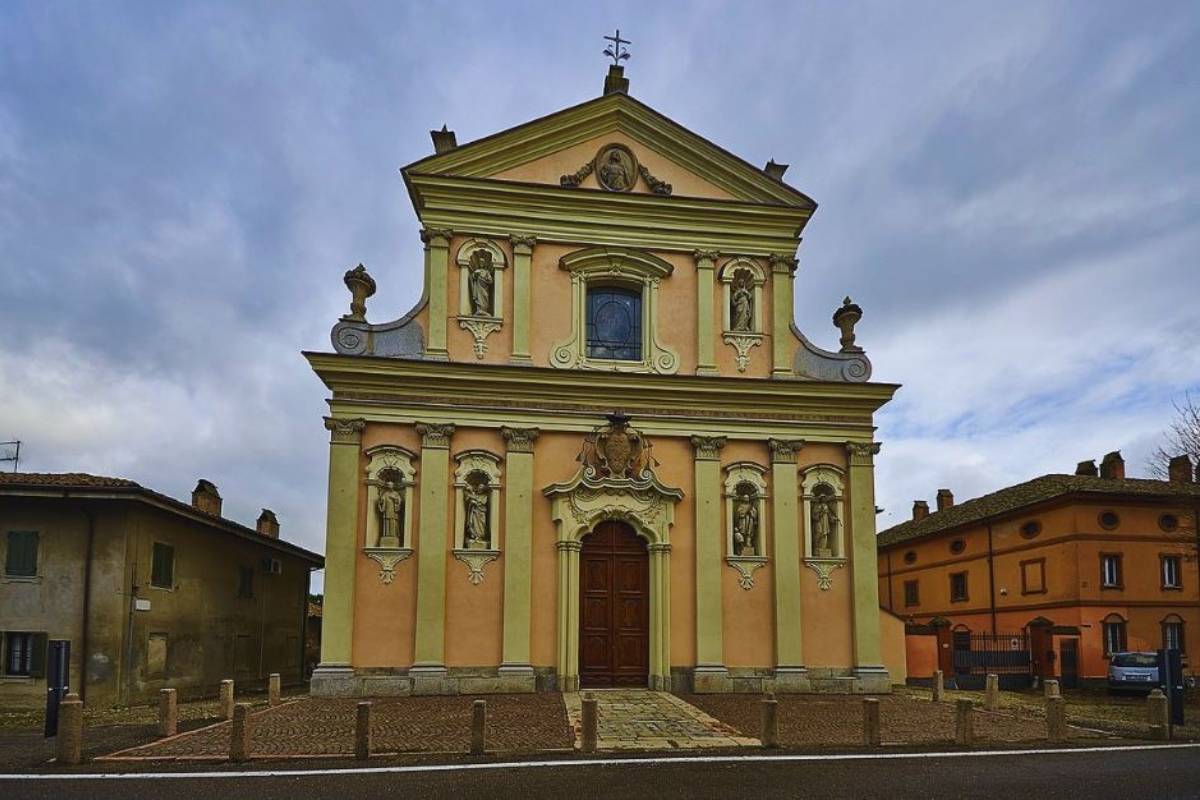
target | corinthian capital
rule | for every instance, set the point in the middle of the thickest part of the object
(783, 263)
(705, 259)
(345, 430)
(861, 453)
(522, 243)
(436, 237)
(783, 451)
(520, 440)
(708, 448)
(433, 435)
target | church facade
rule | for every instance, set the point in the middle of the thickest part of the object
(599, 452)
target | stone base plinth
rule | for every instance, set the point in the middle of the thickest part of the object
(710, 679)
(334, 681)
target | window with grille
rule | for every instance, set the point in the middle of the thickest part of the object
(24, 654)
(1173, 636)
(162, 568)
(912, 593)
(958, 587)
(21, 557)
(1170, 572)
(1110, 571)
(614, 323)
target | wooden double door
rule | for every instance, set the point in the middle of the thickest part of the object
(614, 608)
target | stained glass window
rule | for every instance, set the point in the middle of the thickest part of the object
(614, 323)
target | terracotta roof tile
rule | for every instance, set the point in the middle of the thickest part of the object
(1032, 492)
(64, 479)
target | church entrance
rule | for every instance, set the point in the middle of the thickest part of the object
(614, 603)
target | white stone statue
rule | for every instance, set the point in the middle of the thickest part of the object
(476, 527)
(824, 522)
(390, 507)
(741, 307)
(745, 526)
(480, 282)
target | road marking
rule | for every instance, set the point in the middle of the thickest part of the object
(589, 762)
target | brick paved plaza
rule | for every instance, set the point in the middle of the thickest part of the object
(636, 719)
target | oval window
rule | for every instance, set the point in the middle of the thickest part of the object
(957, 546)
(1109, 520)
(1031, 529)
(1168, 522)
(910, 557)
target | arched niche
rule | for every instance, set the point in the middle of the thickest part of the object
(742, 283)
(480, 322)
(823, 490)
(745, 498)
(477, 511)
(391, 487)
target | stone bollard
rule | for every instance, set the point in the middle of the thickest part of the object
(241, 734)
(871, 732)
(168, 713)
(991, 693)
(1157, 710)
(69, 739)
(478, 727)
(273, 684)
(769, 733)
(939, 686)
(1056, 719)
(588, 734)
(1050, 687)
(362, 731)
(226, 699)
(964, 723)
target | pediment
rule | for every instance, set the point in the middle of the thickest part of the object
(569, 148)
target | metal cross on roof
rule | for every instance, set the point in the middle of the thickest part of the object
(615, 51)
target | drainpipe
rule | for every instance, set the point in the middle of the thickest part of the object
(889, 577)
(991, 580)
(84, 653)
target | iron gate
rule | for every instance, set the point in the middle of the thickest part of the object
(1004, 654)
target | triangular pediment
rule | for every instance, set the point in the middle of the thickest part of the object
(569, 148)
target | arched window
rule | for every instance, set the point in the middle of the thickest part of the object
(1115, 637)
(1172, 633)
(614, 323)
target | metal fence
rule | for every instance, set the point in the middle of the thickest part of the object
(983, 653)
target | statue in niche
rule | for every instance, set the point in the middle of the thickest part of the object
(479, 282)
(745, 521)
(390, 507)
(741, 303)
(824, 521)
(476, 497)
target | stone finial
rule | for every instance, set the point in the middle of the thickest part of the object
(443, 141)
(775, 170)
(1112, 466)
(361, 286)
(615, 80)
(1179, 470)
(845, 318)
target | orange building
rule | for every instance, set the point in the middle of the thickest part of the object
(1064, 568)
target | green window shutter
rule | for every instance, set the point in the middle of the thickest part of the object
(21, 557)
(37, 656)
(162, 570)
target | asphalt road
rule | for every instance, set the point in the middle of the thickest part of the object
(1126, 774)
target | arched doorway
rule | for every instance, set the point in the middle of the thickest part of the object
(614, 603)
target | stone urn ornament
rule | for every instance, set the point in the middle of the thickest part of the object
(361, 286)
(845, 318)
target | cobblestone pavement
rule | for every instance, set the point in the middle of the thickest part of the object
(639, 719)
(814, 721)
(325, 727)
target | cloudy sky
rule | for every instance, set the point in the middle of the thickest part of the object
(1010, 190)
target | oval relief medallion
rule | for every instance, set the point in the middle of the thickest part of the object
(616, 168)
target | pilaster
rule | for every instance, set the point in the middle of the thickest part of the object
(429, 668)
(790, 674)
(783, 272)
(710, 674)
(437, 278)
(522, 289)
(518, 556)
(868, 658)
(335, 674)
(706, 363)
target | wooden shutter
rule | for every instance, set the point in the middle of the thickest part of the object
(21, 559)
(37, 655)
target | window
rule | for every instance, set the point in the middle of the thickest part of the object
(1110, 571)
(910, 557)
(1114, 635)
(25, 654)
(1033, 576)
(957, 546)
(22, 556)
(958, 587)
(614, 323)
(1172, 630)
(1171, 569)
(162, 569)
(1031, 529)
(912, 593)
(1109, 520)
(245, 582)
(1168, 522)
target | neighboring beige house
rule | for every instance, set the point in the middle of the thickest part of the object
(150, 592)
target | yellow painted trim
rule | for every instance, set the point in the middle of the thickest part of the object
(789, 651)
(518, 556)
(867, 652)
(431, 556)
(437, 259)
(706, 363)
(783, 344)
(709, 640)
(341, 551)
(522, 289)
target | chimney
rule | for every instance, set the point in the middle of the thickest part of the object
(945, 499)
(1086, 468)
(1112, 466)
(443, 141)
(774, 170)
(268, 525)
(615, 80)
(1180, 470)
(920, 510)
(206, 498)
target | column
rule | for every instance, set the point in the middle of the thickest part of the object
(790, 674)
(522, 256)
(429, 666)
(568, 615)
(710, 674)
(660, 616)
(783, 270)
(516, 668)
(706, 363)
(868, 658)
(437, 259)
(335, 674)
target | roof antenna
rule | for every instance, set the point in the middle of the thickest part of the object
(13, 447)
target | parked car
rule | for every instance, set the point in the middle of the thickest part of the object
(1133, 671)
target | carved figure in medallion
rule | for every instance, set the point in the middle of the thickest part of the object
(741, 303)
(390, 507)
(616, 169)
(480, 281)
(476, 497)
(745, 522)
(824, 521)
